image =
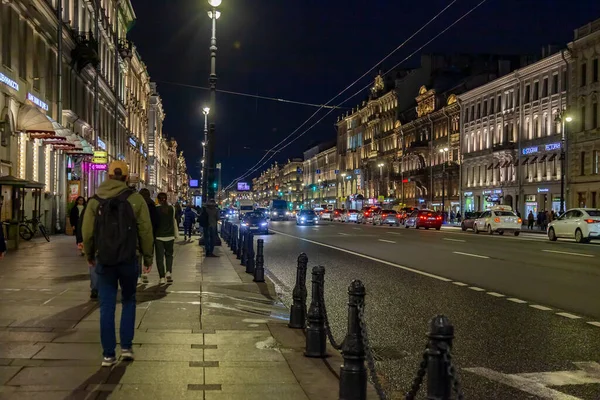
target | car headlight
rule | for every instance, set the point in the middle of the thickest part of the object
(316, 219)
(287, 213)
(274, 213)
(263, 224)
(245, 224)
(302, 218)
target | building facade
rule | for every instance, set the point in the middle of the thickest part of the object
(319, 173)
(584, 129)
(291, 182)
(511, 139)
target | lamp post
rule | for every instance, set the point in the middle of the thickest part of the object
(380, 165)
(444, 152)
(562, 117)
(214, 15)
(205, 111)
(320, 191)
(344, 189)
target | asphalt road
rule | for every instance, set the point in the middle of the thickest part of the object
(519, 305)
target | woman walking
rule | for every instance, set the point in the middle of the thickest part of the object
(166, 232)
(75, 217)
(189, 219)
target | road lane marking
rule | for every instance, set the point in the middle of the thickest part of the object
(386, 241)
(394, 233)
(455, 240)
(460, 284)
(358, 229)
(391, 264)
(477, 289)
(594, 323)
(515, 300)
(568, 253)
(538, 307)
(567, 315)
(343, 234)
(496, 294)
(469, 254)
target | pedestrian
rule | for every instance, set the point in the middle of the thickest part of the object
(142, 277)
(209, 220)
(75, 216)
(178, 213)
(2, 241)
(189, 219)
(166, 232)
(530, 220)
(116, 223)
(92, 271)
(458, 217)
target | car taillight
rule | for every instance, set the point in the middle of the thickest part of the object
(592, 221)
(497, 220)
(520, 220)
(438, 217)
(422, 217)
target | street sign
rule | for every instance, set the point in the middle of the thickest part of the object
(357, 171)
(318, 171)
(97, 160)
(538, 383)
(337, 171)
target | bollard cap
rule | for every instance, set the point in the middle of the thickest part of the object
(356, 288)
(260, 241)
(319, 270)
(303, 258)
(440, 327)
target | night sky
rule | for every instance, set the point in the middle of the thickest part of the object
(308, 51)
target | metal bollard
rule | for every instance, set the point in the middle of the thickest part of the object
(298, 309)
(259, 269)
(230, 234)
(227, 231)
(239, 243)
(234, 242)
(244, 248)
(353, 374)
(439, 382)
(250, 254)
(316, 336)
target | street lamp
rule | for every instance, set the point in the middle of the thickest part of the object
(562, 117)
(205, 111)
(213, 14)
(444, 152)
(380, 165)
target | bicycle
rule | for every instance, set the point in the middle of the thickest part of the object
(28, 227)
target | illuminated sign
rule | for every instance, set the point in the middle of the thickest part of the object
(530, 150)
(553, 146)
(468, 194)
(243, 187)
(194, 183)
(8, 82)
(99, 167)
(132, 142)
(318, 171)
(337, 171)
(357, 171)
(101, 154)
(101, 144)
(99, 160)
(543, 190)
(37, 102)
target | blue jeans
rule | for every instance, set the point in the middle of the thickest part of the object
(210, 235)
(93, 279)
(109, 279)
(187, 230)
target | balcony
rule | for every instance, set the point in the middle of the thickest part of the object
(504, 146)
(85, 51)
(125, 49)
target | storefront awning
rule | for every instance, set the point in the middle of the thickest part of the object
(497, 166)
(543, 158)
(31, 120)
(10, 180)
(491, 166)
(552, 157)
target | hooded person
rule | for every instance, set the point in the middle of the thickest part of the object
(210, 222)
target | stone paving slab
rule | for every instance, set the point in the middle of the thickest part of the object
(156, 392)
(157, 372)
(60, 378)
(6, 373)
(257, 392)
(19, 350)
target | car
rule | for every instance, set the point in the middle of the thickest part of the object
(498, 219)
(350, 216)
(469, 220)
(338, 214)
(581, 224)
(386, 217)
(424, 219)
(255, 221)
(369, 213)
(326, 215)
(307, 217)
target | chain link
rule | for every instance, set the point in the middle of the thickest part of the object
(447, 357)
(418, 381)
(369, 353)
(332, 340)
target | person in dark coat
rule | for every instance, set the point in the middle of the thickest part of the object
(75, 216)
(151, 208)
(2, 242)
(189, 218)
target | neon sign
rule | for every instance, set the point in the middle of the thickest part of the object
(9, 82)
(553, 146)
(99, 167)
(37, 102)
(530, 150)
(101, 144)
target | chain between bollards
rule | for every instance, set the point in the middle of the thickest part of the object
(259, 268)
(298, 309)
(316, 337)
(250, 253)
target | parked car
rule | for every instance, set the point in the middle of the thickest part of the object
(255, 221)
(386, 217)
(306, 217)
(498, 219)
(350, 216)
(469, 220)
(338, 214)
(581, 224)
(424, 219)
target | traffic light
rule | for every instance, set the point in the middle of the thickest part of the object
(214, 185)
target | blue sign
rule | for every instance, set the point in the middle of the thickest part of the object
(530, 150)
(553, 146)
(357, 171)
(132, 142)
(37, 102)
(543, 190)
(298, 170)
(8, 82)
(337, 171)
(101, 144)
(318, 171)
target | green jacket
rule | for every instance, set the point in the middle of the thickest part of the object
(109, 189)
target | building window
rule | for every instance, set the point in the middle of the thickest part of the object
(6, 19)
(478, 110)
(536, 127)
(499, 105)
(23, 50)
(527, 94)
(595, 71)
(583, 74)
(582, 164)
(564, 81)
(555, 84)
(593, 199)
(485, 110)
(492, 106)
(518, 96)
(594, 115)
(581, 199)
(536, 91)
(596, 162)
(472, 113)
(545, 88)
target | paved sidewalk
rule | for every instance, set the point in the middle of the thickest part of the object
(213, 334)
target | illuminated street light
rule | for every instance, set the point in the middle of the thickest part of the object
(569, 119)
(217, 14)
(215, 3)
(206, 110)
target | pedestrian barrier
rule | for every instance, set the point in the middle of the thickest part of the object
(298, 309)
(234, 242)
(259, 269)
(239, 240)
(250, 253)
(244, 254)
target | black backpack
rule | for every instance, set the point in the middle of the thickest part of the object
(115, 230)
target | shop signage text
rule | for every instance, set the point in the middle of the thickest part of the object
(543, 190)
(552, 146)
(99, 167)
(9, 82)
(548, 147)
(37, 102)
(530, 150)
(468, 194)
(495, 191)
(101, 144)
(132, 142)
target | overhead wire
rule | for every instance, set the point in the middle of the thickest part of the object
(257, 166)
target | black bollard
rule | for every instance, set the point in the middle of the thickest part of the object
(259, 268)
(244, 248)
(234, 242)
(439, 382)
(250, 254)
(316, 336)
(239, 243)
(353, 374)
(298, 309)
(230, 234)
(226, 232)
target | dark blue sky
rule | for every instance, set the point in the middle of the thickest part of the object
(309, 50)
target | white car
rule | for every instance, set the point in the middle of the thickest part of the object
(581, 224)
(327, 215)
(498, 219)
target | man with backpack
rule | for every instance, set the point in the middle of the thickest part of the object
(116, 223)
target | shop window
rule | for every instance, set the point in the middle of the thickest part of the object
(555, 84)
(583, 74)
(581, 200)
(582, 164)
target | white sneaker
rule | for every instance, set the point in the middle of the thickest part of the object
(109, 361)
(145, 278)
(169, 279)
(162, 281)
(127, 355)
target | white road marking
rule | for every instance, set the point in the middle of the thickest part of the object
(568, 253)
(515, 300)
(394, 233)
(567, 315)
(495, 294)
(455, 240)
(538, 307)
(387, 241)
(343, 234)
(594, 323)
(469, 254)
(588, 373)
(391, 264)
(477, 289)
(358, 229)
(460, 284)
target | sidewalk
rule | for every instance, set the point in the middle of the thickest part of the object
(213, 334)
